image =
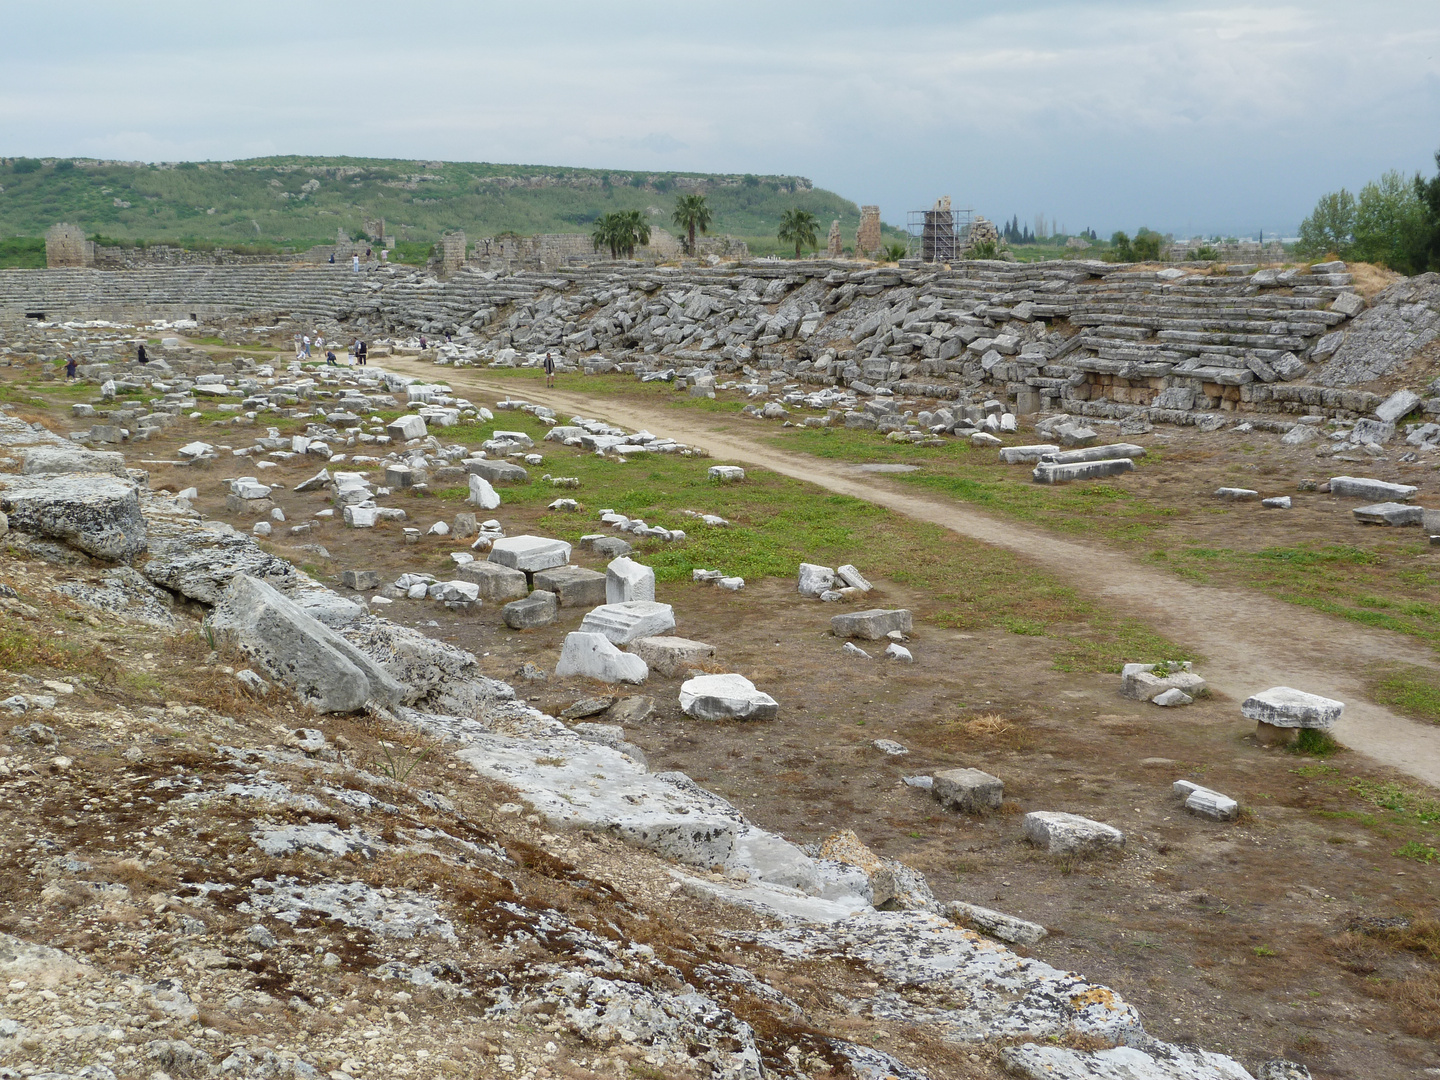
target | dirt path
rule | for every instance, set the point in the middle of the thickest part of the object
(1250, 640)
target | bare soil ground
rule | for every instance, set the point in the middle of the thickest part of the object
(1262, 937)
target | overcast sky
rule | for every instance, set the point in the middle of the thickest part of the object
(1209, 117)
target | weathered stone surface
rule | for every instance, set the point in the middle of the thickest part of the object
(99, 515)
(1389, 513)
(482, 494)
(497, 472)
(1397, 406)
(496, 582)
(360, 580)
(1172, 698)
(1070, 834)
(437, 676)
(1143, 682)
(871, 625)
(323, 668)
(540, 608)
(853, 578)
(1234, 494)
(888, 883)
(623, 623)
(726, 473)
(969, 791)
(404, 428)
(815, 579)
(530, 553)
(1358, 487)
(62, 460)
(1027, 455)
(573, 586)
(1108, 452)
(594, 657)
(995, 924)
(1400, 322)
(1051, 473)
(627, 580)
(671, 656)
(726, 697)
(1282, 706)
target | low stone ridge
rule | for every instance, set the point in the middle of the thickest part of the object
(1070, 834)
(726, 697)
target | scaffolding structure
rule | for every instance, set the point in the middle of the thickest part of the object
(938, 235)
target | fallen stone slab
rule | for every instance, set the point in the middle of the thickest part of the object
(1234, 494)
(1172, 698)
(1397, 406)
(1356, 487)
(815, 579)
(603, 545)
(671, 656)
(594, 657)
(573, 586)
(405, 428)
(360, 580)
(995, 924)
(851, 649)
(500, 583)
(726, 473)
(1280, 712)
(482, 494)
(99, 515)
(1389, 513)
(497, 472)
(62, 460)
(969, 791)
(590, 706)
(623, 623)
(1143, 682)
(1278, 502)
(530, 553)
(1096, 453)
(1070, 834)
(1051, 473)
(889, 746)
(540, 608)
(627, 580)
(292, 647)
(1205, 802)
(853, 578)
(896, 651)
(726, 697)
(1027, 455)
(871, 625)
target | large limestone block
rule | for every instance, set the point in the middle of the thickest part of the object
(293, 648)
(623, 623)
(871, 625)
(1141, 682)
(1361, 487)
(995, 924)
(99, 515)
(968, 790)
(671, 656)
(406, 427)
(627, 580)
(482, 494)
(573, 586)
(726, 697)
(60, 460)
(538, 609)
(1282, 706)
(530, 553)
(497, 472)
(496, 582)
(594, 657)
(1048, 472)
(1070, 834)
(815, 579)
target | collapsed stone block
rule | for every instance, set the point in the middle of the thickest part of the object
(594, 657)
(726, 697)
(496, 582)
(530, 553)
(573, 586)
(671, 656)
(627, 580)
(1070, 834)
(623, 623)
(540, 608)
(871, 625)
(969, 791)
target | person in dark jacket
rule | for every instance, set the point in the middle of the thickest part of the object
(141, 354)
(70, 367)
(362, 352)
(549, 370)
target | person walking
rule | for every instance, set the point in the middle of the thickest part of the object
(306, 346)
(362, 353)
(319, 342)
(549, 370)
(69, 367)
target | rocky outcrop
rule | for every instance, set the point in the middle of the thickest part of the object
(99, 515)
(1400, 322)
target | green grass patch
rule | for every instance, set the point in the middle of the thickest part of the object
(1408, 689)
(1316, 744)
(1413, 849)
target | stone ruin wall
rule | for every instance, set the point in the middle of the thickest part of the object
(65, 245)
(1093, 339)
(867, 236)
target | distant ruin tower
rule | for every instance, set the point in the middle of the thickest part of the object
(835, 248)
(867, 237)
(937, 237)
(65, 245)
(452, 252)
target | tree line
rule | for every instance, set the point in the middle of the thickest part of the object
(620, 232)
(1394, 221)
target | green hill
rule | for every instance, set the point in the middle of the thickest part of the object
(271, 204)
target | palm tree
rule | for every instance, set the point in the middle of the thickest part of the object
(621, 231)
(691, 213)
(798, 227)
